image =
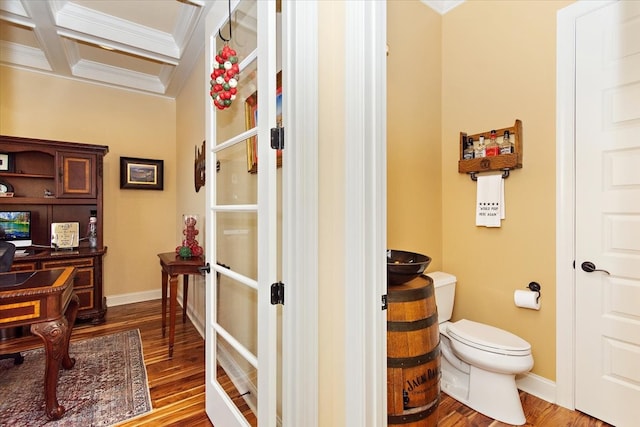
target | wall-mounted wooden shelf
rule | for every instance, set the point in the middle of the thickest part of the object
(502, 162)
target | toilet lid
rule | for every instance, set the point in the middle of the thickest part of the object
(488, 338)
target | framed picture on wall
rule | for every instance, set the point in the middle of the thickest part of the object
(6, 162)
(251, 118)
(141, 174)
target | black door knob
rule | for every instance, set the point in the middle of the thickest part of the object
(205, 269)
(590, 267)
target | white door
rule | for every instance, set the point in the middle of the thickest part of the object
(607, 381)
(242, 240)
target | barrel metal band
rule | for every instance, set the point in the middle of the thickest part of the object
(410, 362)
(415, 416)
(414, 325)
(415, 294)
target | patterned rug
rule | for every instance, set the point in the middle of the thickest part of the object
(107, 385)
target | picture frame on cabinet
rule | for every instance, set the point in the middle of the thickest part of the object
(6, 162)
(141, 174)
(251, 119)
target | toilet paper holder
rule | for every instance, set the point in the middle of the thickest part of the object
(535, 287)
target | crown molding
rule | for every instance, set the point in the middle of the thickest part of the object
(23, 56)
(442, 6)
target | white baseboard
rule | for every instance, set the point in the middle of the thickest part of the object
(238, 377)
(197, 321)
(123, 299)
(538, 386)
(115, 300)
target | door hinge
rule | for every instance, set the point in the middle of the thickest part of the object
(277, 293)
(277, 138)
(384, 302)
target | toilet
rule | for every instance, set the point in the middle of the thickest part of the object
(479, 362)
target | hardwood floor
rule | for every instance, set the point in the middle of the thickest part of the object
(178, 391)
(538, 412)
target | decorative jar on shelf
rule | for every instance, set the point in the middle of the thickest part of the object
(190, 246)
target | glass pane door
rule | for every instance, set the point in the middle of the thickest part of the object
(241, 216)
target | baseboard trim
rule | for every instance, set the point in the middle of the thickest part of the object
(530, 383)
(196, 320)
(133, 297)
(238, 377)
(537, 386)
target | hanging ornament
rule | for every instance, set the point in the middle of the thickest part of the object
(224, 78)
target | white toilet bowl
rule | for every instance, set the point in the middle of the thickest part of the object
(479, 362)
(483, 377)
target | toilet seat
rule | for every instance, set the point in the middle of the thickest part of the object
(488, 338)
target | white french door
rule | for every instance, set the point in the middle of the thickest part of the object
(241, 219)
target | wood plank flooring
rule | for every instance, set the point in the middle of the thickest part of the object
(178, 391)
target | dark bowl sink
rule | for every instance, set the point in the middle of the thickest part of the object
(403, 266)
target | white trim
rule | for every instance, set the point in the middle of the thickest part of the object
(300, 214)
(267, 250)
(565, 199)
(92, 70)
(122, 299)
(84, 20)
(238, 376)
(442, 6)
(538, 386)
(365, 213)
(26, 56)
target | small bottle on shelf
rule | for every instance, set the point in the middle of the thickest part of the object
(506, 146)
(480, 148)
(92, 232)
(468, 152)
(493, 149)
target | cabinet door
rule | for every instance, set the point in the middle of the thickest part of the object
(76, 175)
(84, 280)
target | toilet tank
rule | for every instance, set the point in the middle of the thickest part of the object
(445, 288)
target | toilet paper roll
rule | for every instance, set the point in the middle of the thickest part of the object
(526, 299)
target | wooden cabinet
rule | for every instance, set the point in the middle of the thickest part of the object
(87, 283)
(59, 182)
(77, 174)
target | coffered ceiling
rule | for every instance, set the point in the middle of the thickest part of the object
(144, 45)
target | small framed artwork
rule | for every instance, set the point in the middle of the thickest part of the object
(141, 174)
(251, 119)
(6, 162)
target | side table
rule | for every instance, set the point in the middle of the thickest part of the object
(172, 266)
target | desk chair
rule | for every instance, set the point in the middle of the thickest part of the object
(7, 251)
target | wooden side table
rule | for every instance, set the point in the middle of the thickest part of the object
(45, 300)
(172, 266)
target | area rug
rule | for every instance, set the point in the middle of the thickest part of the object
(107, 385)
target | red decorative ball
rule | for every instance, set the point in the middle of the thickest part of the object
(224, 78)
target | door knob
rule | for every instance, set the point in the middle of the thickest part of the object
(590, 267)
(205, 269)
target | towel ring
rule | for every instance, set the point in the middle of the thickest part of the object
(505, 174)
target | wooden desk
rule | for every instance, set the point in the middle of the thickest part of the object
(172, 266)
(45, 300)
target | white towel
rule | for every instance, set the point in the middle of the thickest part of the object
(490, 201)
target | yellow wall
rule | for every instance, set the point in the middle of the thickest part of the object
(414, 183)
(482, 64)
(498, 65)
(331, 202)
(190, 132)
(476, 68)
(138, 224)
